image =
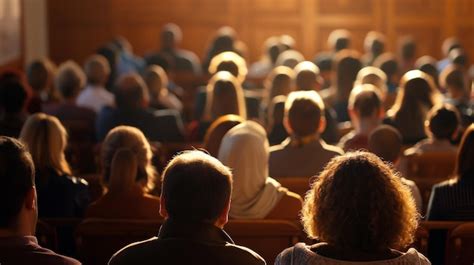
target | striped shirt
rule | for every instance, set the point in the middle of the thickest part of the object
(452, 200)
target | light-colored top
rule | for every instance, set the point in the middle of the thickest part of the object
(302, 254)
(245, 150)
(95, 97)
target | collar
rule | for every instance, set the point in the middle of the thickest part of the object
(194, 231)
(295, 141)
(18, 240)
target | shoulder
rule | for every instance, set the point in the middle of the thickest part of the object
(46, 256)
(298, 254)
(246, 255)
(415, 257)
(332, 149)
(134, 252)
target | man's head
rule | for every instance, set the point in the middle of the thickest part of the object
(70, 79)
(17, 188)
(196, 187)
(453, 80)
(442, 122)
(171, 36)
(131, 92)
(307, 76)
(407, 48)
(374, 43)
(38, 75)
(304, 113)
(97, 70)
(386, 142)
(339, 39)
(365, 104)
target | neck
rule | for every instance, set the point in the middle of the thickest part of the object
(17, 231)
(366, 126)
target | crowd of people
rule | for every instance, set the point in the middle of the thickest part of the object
(345, 119)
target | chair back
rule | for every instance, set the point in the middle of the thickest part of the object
(462, 245)
(297, 185)
(438, 165)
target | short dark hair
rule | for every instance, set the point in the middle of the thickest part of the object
(130, 91)
(304, 110)
(17, 177)
(12, 94)
(452, 77)
(37, 74)
(196, 187)
(443, 121)
(365, 100)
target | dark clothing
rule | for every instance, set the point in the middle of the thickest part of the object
(187, 243)
(178, 60)
(11, 124)
(25, 250)
(156, 125)
(60, 195)
(277, 134)
(452, 200)
(331, 133)
(412, 131)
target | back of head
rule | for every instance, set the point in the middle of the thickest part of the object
(388, 64)
(287, 42)
(130, 92)
(452, 79)
(171, 35)
(339, 39)
(443, 121)
(70, 79)
(465, 159)
(123, 171)
(386, 142)
(374, 42)
(407, 48)
(307, 74)
(365, 101)
(363, 196)
(156, 80)
(272, 48)
(346, 64)
(276, 111)
(132, 139)
(230, 62)
(37, 74)
(46, 139)
(459, 57)
(450, 44)
(97, 69)
(304, 111)
(217, 130)
(17, 176)
(427, 64)
(289, 58)
(374, 76)
(13, 95)
(192, 177)
(279, 82)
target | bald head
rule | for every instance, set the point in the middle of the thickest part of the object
(386, 142)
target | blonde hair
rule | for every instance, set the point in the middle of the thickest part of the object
(46, 139)
(224, 82)
(229, 58)
(133, 139)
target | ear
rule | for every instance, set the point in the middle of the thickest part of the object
(224, 216)
(286, 124)
(381, 113)
(30, 199)
(322, 124)
(352, 114)
(163, 211)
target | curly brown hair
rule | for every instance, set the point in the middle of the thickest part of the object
(358, 202)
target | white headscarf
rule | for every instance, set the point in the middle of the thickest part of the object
(245, 150)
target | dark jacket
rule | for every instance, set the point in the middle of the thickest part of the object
(452, 200)
(187, 243)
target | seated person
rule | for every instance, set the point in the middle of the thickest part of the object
(95, 95)
(157, 83)
(60, 193)
(374, 46)
(217, 130)
(131, 98)
(194, 218)
(19, 209)
(304, 153)
(264, 66)
(361, 213)
(13, 96)
(366, 112)
(442, 124)
(276, 130)
(128, 183)
(386, 142)
(375, 76)
(40, 78)
(454, 199)
(278, 83)
(256, 195)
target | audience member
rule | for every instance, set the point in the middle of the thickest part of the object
(127, 62)
(224, 40)
(160, 96)
(275, 127)
(217, 130)
(386, 142)
(349, 209)
(279, 82)
(245, 149)
(374, 46)
(389, 65)
(95, 96)
(40, 78)
(454, 199)
(131, 99)
(289, 58)
(264, 66)
(13, 96)
(304, 153)
(366, 112)
(111, 53)
(194, 218)
(19, 208)
(416, 97)
(448, 45)
(324, 63)
(374, 76)
(126, 160)
(427, 64)
(442, 124)
(60, 193)
(407, 54)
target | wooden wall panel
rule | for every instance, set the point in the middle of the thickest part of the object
(76, 28)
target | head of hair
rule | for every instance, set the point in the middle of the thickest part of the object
(132, 139)
(339, 39)
(272, 48)
(224, 40)
(427, 64)
(279, 81)
(304, 110)
(388, 64)
(130, 92)
(407, 48)
(230, 62)
(386, 142)
(156, 80)
(374, 42)
(346, 65)
(13, 94)
(363, 195)
(70, 79)
(465, 158)
(38, 75)
(452, 78)
(307, 74)
(171, 34)
(224, 96)
(217, 130)
(46, 139)
(324, 62)
(365, 100)
(289, 58)
(459, 57)
(276, 111)
(443, 121)
(374, 76)
(17, 174)
(450, 44)
(287, 42)
(196, 176)
(97, 69)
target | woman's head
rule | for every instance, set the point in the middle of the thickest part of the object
(346, 65)
(230, 62)
(224, 96)
(156, 80)
(279, 82)
(374, 76)
(133, 139)
(372, 208)
(217, 130)
(46, 139)
(465, 158)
